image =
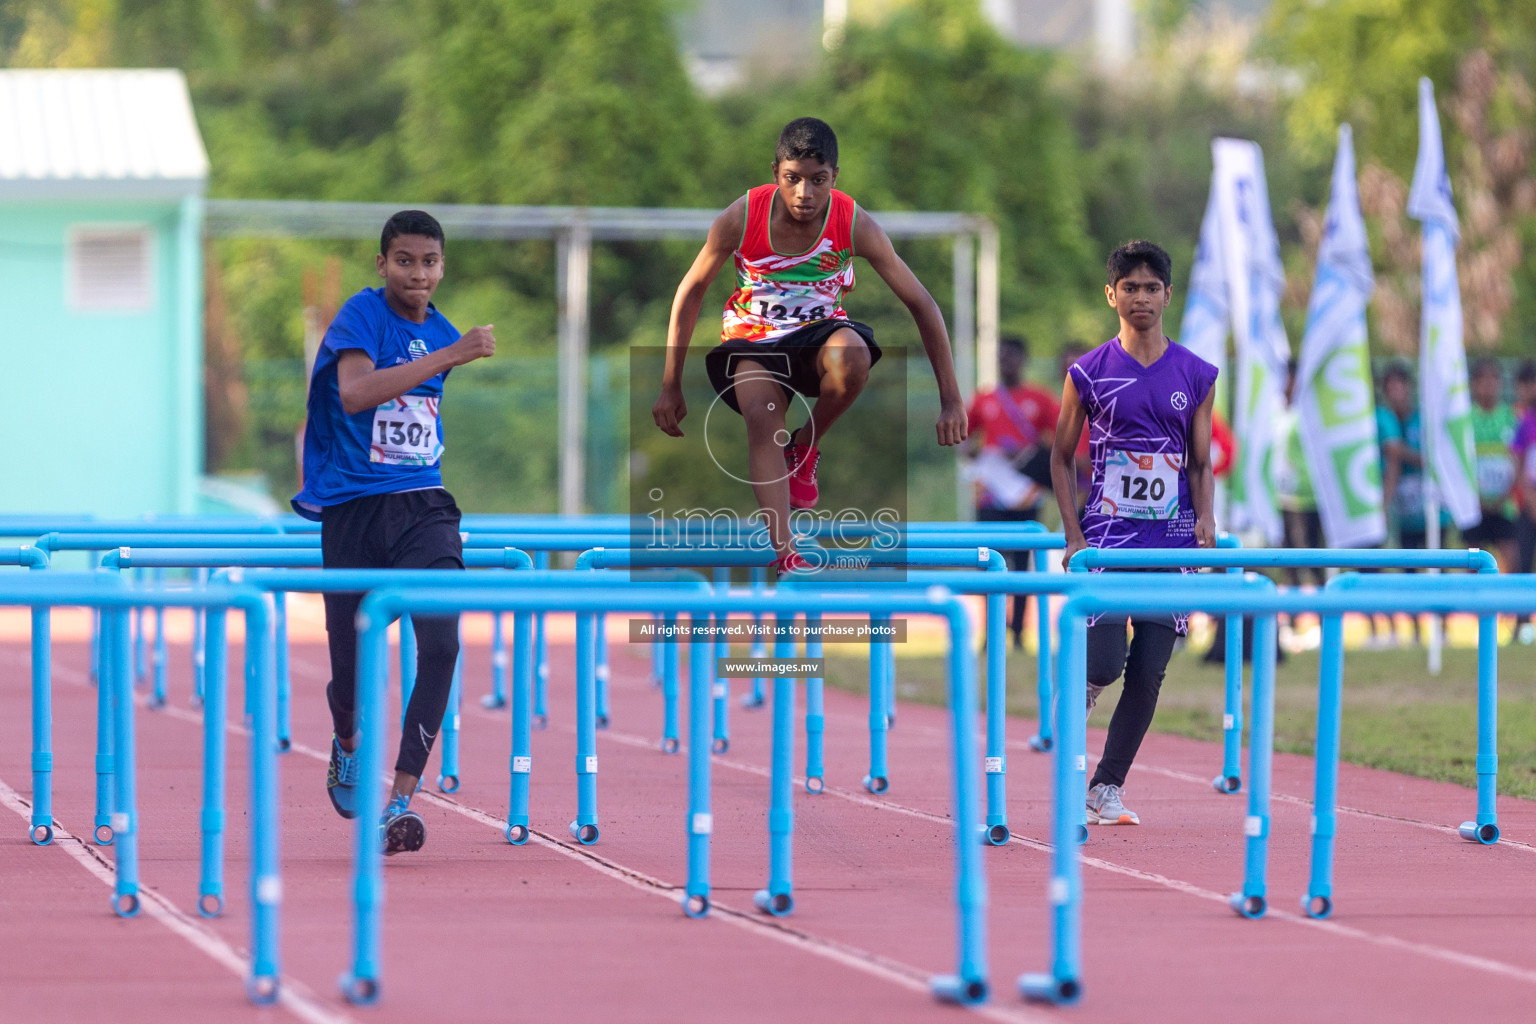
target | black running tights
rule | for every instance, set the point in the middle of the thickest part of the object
(1143, 667)
(414, 530)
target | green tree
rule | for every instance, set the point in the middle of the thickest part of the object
(935, 111)
(1359, 62)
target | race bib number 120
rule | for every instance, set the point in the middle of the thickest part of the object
(405, 432)
(1138, 485)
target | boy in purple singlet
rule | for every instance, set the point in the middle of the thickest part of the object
(1147, 403)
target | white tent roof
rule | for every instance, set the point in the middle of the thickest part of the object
(98, 134)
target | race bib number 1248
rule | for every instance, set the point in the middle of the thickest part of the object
(1140, 485)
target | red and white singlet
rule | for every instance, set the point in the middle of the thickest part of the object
(776, 293)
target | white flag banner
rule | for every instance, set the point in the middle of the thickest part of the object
(1333, 397)
(1250, 254)
(1445, 404)
(1204, 328)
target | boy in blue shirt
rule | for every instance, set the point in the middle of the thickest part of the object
(372, 478)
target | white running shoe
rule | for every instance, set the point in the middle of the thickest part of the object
(1105, 808)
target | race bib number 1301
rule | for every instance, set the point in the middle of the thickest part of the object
(405, 432)
(1138, 485)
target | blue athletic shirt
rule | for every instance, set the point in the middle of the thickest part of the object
(394, 447)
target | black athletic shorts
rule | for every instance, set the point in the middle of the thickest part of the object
(792, 358)
(1494, 529)
(406, 530)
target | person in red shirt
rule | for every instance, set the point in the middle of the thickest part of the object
(1071, 353)
(1011, 430)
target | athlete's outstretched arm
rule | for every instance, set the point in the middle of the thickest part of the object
(1202, 481)
(1069, 427)
(363, 387)
(871, 242)
(724, 235)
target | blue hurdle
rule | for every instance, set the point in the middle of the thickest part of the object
(881, 680)
(115, 601)
(262, 556)
(968, 984)
(584, 828)
(1477, 594)
(1230, 779)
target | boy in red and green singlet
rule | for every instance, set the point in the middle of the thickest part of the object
(785, 330)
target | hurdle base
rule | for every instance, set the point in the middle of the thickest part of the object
(951, 988)
(262, 989)
(1251, 907)
(773, 904)
(695, 905)
(1227, 784)
(1041, 744)
(1318, 908)
(1486, 834)
(1047, 988)
(358, 991)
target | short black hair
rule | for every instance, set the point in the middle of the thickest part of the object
(1017, 342)
(1527, 372)
(410, 222)
(1486, 364)
(1140, 253)
(807, 138)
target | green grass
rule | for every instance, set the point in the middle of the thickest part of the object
(1396, 715)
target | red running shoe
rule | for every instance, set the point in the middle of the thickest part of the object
(802, 460)
(790, 562)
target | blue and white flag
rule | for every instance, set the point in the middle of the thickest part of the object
(1250, 253)
(1333, 398)
(1445, 404)
(1204, 328)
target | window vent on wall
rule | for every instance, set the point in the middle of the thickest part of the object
(110, 269)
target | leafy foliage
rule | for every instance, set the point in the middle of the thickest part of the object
(589, 102)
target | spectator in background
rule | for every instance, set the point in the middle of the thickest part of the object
(1293, 485)
(1400, 433)
(1402, 466)
(1493, 434)
(1525, 483)
(1011, 430)
(1071, 353)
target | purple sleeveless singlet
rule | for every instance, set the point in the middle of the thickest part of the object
(1139, 420)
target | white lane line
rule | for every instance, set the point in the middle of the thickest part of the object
(1141, 765)
(912, 978)
(1434, 952)
(857, 721)
(1481, 963)
(292, 995)
(1358, 812)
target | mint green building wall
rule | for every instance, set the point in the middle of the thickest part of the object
(104, 408)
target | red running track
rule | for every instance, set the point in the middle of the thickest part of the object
(1427, 926)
